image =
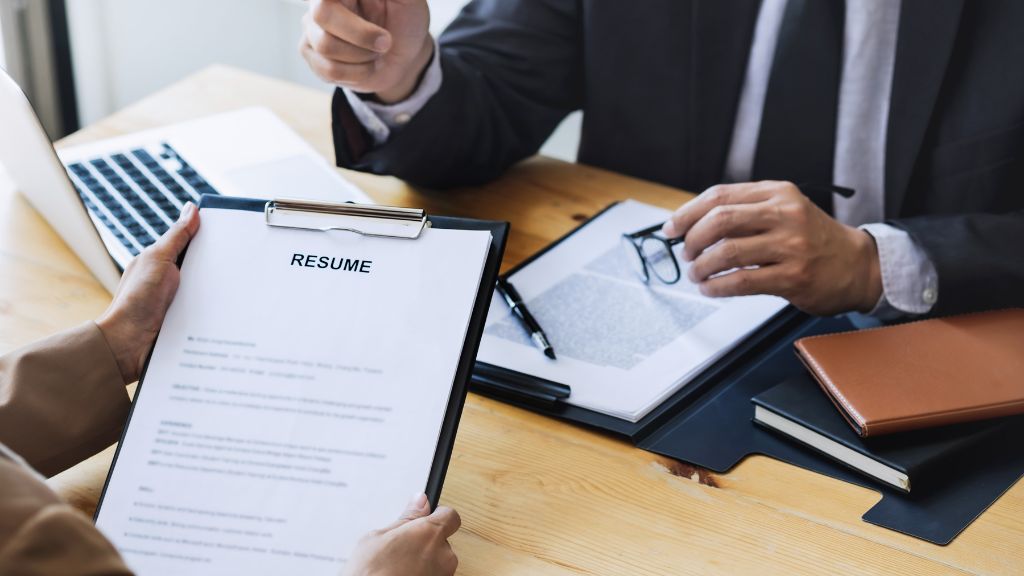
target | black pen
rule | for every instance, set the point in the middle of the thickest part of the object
(509, 385)
(521, 381)
(515, 302)
(512, 393)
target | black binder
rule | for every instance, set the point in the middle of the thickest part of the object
(912, 459)
(709, 423)
(416, 222)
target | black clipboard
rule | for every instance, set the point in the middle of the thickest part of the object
(709, 423)
(457, 398)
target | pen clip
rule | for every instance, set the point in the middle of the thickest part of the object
(810, 188)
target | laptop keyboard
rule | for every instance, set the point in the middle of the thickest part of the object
(138, 194)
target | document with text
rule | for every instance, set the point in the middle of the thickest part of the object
(294, 398)
(623, 346)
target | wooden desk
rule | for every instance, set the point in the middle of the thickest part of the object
(537, 496)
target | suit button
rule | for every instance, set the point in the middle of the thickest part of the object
(929, 296)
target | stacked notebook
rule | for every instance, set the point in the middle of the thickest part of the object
(903, 400)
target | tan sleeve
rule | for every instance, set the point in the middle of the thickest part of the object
(41, 535)
(62, 399)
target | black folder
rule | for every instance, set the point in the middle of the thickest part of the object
(920, 456)
(446, 438)
(709, 423)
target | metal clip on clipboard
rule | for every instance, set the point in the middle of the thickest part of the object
(363, 219)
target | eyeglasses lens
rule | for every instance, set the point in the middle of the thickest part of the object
(659, 258)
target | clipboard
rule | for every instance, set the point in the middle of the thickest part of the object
(375, 221)
(709, 423)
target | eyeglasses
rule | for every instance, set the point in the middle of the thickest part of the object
(649, 254)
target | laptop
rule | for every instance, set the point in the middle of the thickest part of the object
(110, 199)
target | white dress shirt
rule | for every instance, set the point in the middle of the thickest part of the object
(909, 279)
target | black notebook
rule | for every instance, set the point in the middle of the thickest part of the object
(800, 410)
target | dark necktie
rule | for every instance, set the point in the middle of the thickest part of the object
(798, 125)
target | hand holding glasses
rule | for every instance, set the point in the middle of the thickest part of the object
(650, 253)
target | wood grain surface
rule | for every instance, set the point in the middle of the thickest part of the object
(537, 496)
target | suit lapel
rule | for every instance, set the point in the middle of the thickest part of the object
(927, 32)
(721, 33)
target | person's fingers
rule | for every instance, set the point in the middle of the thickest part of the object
(744, 282)
(170, 245)
(722, 194)
(334, 48)
(341, 51)
(337, 72)
(336, 19)
(728, 221)
(417, 508)
(761, 250)
(375, 11)
(446, 520)
(449, 562)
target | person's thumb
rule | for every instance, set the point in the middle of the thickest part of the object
(174, 240)
(418, 507)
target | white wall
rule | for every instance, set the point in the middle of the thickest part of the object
(125, 49)
(4, 182)
(3, 60)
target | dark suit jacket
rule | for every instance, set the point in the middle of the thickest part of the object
(659, 82)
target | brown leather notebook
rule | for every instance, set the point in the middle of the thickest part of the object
(922, 374)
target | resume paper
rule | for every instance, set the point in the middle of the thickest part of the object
(294, 397)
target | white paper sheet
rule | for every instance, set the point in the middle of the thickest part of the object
(622, 346)
(287, 409)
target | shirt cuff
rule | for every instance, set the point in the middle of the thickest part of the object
(910, 284)
(381, 119)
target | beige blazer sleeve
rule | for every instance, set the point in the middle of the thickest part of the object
(61, 399)
(40, 535)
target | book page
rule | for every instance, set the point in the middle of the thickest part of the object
(294, 398)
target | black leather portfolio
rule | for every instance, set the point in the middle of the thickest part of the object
(709, 423)
(908, 461)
